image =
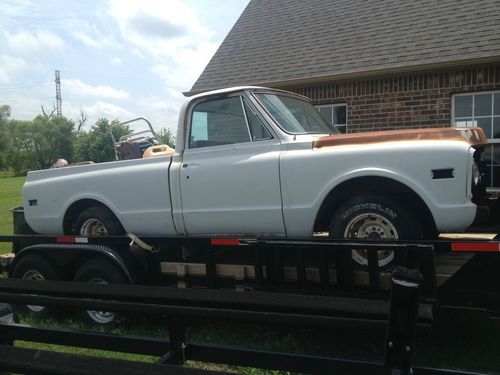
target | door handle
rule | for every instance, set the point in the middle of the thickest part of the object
(190, 165)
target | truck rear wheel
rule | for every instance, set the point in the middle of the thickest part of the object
(100, 271)
(374, 216)
(37, 268)
(97, 221)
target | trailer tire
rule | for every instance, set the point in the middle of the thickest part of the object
(100, 271)
(34, 267)
(97, 221)
(374, 216)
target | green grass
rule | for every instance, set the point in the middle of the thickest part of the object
(10, 196)
(212, 332)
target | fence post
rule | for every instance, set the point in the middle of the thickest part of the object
(6, 317)
(403, 317)
(211, 270)
(343, 264)
(177, 337)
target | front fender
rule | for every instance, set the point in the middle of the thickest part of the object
(396, 176)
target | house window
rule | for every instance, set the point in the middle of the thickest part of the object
(482, 109)
(335, 114)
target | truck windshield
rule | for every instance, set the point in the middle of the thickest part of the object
(295, 116)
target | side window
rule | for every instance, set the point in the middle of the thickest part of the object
(257, 130)
(218, 122)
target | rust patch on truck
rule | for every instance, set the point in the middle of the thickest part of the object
(473, 136)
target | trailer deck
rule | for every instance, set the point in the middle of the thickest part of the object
(316, 265)
(301, 281)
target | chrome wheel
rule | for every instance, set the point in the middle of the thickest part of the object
(36, 276)
(374, 227)
(100, 317)
(93, 227)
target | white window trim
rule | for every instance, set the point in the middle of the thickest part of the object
(337, 105)
(473, 94)
(492, 116)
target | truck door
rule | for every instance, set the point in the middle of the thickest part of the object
(229, 177)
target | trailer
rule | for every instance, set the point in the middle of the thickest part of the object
(459, 270)
(297, 281)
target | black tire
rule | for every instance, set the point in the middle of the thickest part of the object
(34, 267)
(374, 216)
(100, 271)
(97, 221)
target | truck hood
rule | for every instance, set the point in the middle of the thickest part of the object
(472, 136)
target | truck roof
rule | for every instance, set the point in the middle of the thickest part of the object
(242, 88)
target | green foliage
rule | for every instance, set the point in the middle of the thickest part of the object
(37, 144)
(4, 139)
(167, 137)
(4, 112)
(97, 144)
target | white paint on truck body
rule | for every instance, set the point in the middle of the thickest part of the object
(409, 163)
(135, 190)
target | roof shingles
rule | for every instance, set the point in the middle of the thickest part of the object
(291, 40)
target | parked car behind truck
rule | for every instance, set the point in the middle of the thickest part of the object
(263, 162)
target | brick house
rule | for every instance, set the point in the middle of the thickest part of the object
(373, 65)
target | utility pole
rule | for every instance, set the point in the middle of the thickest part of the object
(58, 93)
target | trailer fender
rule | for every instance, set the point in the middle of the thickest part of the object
(65, 254)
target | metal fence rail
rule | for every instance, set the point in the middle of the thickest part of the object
(400, 317)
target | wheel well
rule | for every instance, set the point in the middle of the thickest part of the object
(381, 185)
(77, 208)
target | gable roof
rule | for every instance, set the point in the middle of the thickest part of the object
(280, 42)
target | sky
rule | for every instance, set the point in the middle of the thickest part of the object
(118, 59)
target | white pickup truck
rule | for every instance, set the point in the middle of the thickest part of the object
(263, 162)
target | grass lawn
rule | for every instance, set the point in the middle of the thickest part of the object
(200, 331)
(10, 196)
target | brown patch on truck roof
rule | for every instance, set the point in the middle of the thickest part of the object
(473, 136)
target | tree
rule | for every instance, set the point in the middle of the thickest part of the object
(97, 144)
(4, 139)
(51, 114)
(167, 137)
(37, 144)
(81, 121)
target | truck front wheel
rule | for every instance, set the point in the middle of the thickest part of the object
(374, 217)
(97, 221)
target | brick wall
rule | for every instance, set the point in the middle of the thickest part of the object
(416, 100)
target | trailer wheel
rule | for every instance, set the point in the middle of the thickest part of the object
(97, 221)
(376, 217)
(100, 271)
(34, 267)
